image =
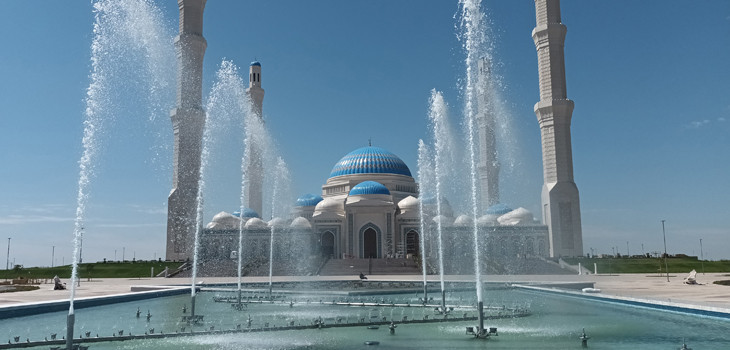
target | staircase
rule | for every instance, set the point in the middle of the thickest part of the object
(346, 267)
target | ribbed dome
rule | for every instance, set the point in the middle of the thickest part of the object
(300, 223)
(256, 63)
(409, 202)
(498, 209)
(517, 217)
(224, 220)
(247, 213)
(369, 187)
(370, 160)
(277, 222)
(330, 205)
(308, 200)
(463, 221)
(255, 223)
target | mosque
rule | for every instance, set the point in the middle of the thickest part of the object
(369, 206)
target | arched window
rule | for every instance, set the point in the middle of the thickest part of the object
(327, 244)
(370, 243)
(412, 243)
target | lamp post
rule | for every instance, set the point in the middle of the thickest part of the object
(627, 249)
(702, 258)
(664, 234)
(7, 263)
(53, 255)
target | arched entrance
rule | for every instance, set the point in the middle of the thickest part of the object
(412, 243)
(370, 243)
(327, 244)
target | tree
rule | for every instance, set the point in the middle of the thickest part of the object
(89, 270)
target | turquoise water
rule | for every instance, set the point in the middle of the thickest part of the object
(556, 323)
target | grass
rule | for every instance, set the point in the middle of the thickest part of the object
(127, 269)
(678, 265)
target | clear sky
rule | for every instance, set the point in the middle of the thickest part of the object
(650, 130)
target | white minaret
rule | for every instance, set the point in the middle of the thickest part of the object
(188, 121)
(488, 166)
(560, 203)
(254, 169)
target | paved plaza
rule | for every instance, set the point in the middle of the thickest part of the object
(651, 288)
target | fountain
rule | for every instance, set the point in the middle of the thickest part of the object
(340, 324)
(121, 29)
(424, 167)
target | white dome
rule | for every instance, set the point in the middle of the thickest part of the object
(445, 220)
(255, 223)
(409, 207)
(409, 202)
(330, 205)
(222, 215)
(215, 226)
(301, 223)
(488, 220)
(463, 221)
(224, 220)
(517, 217)
(277, 222)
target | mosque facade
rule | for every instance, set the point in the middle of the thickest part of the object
(369, 207)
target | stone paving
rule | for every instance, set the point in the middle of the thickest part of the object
(641, 286)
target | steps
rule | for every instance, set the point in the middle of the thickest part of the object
(344, 267)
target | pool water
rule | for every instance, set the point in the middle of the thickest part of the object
(555, 322)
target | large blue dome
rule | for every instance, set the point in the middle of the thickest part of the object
(370, 160)
(369, 187)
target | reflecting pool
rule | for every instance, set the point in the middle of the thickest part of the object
(554, 322)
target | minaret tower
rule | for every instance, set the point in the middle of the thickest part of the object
(254, 169)
(560, 203)
(188, 121)
(488, 166)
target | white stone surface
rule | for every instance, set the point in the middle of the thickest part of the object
(560, 200)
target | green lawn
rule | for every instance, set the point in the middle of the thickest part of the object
(126, 269)
(651, 265)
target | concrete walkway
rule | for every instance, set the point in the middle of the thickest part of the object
(641, 286)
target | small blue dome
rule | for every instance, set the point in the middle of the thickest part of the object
(247, 213)
(370, 160)
(498, 209)
(308, 200)
(256, 63)
(369, 187)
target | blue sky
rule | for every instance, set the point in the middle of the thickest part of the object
(650, 128)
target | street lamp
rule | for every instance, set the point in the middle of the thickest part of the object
(7, 263)
(666, 267)
(53, 254)
(702, 258)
